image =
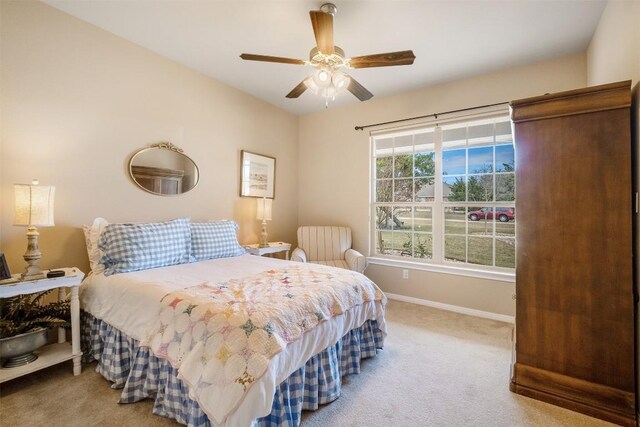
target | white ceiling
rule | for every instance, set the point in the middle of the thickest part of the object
(451, 39)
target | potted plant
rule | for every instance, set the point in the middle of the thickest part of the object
(24, 321)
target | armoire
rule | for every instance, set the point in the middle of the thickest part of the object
(575, 293)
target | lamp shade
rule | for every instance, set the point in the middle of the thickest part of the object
(264, 209)
(340, 80)
(322, 77)
(34, 205)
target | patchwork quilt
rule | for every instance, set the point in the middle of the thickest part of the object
(222, 336)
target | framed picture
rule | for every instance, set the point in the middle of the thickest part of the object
(257, 175)
(4, 268)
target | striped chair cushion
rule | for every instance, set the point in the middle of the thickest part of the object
(324, 243)
(133, 247)
(215, 239)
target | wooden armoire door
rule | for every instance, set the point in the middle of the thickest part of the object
(574, 274)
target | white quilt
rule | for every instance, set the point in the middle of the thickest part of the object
(131, 302)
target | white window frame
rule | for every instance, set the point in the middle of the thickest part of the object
(437, 263)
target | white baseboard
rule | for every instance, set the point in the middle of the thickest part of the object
(454, 308)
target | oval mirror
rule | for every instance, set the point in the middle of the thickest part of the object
(163, 169)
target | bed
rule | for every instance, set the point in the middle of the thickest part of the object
(233, 340)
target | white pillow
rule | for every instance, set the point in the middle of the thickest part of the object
(92, 237)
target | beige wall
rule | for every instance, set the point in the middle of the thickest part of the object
(614, 51)
(77, 102)
(334, 168)
(614, 55)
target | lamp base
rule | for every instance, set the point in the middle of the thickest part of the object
(32, 256)
(264, 242)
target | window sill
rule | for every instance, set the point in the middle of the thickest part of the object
(501, 276)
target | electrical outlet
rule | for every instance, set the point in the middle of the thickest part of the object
(405, 274)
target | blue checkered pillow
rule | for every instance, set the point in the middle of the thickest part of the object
(216, 239)
(133, 247)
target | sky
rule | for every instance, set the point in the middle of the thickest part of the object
(453, 161)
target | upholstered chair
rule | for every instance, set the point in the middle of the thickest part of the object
(328, 246)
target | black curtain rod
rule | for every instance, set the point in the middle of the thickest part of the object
(434, 115)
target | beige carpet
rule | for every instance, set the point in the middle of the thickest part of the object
(437, 369)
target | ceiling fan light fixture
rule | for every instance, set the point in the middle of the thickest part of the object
(311, 85)
(339, 80)
(322, 77)
(329, 92)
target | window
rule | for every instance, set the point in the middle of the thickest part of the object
(446, 194)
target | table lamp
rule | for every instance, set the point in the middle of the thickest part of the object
(264, 214)
(33, 208)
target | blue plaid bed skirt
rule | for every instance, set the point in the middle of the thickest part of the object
(142, 375)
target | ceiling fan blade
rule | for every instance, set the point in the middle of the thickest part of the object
(358, 90)
(323, 29)
(264, 58)
(298, 90)
(404, 57)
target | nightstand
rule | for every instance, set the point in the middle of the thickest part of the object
(61, 351)
(274, 247)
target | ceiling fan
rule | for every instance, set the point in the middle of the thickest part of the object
(329, 60)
